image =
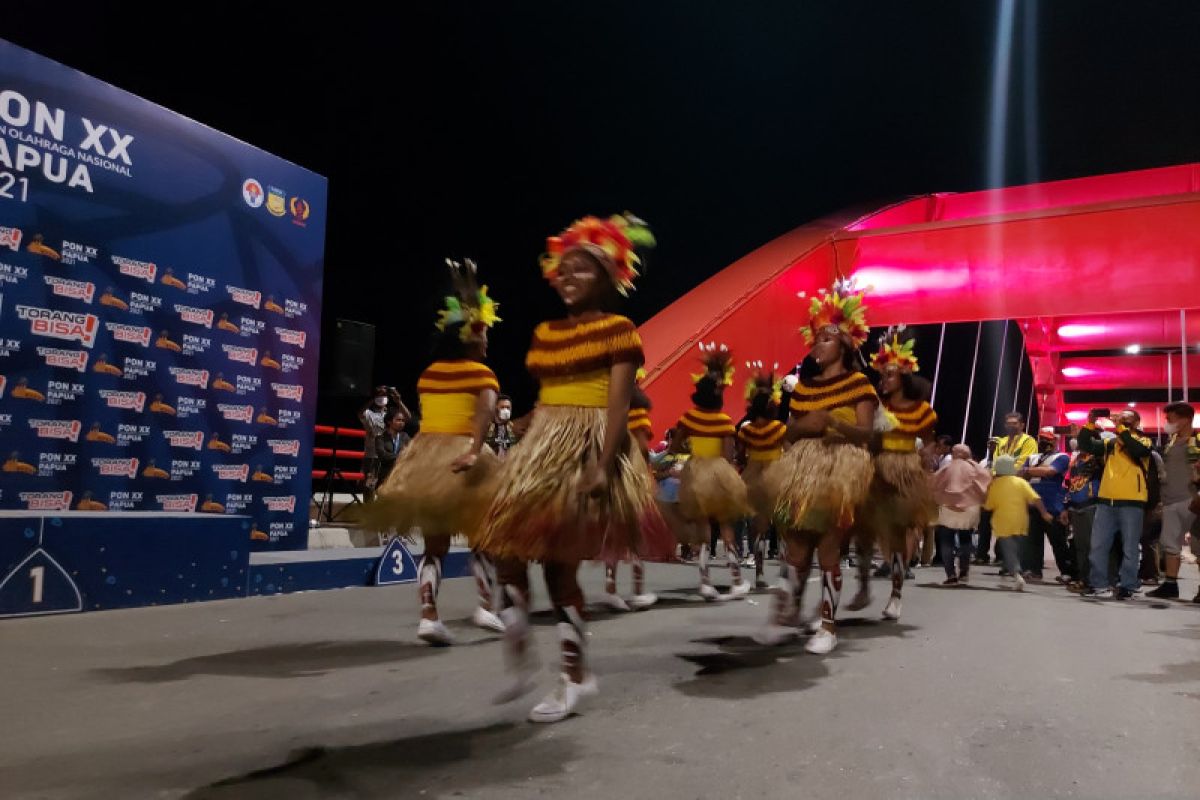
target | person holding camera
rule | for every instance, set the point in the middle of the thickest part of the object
(1020, 446)
(373, 417)
(1179, 499)
(1120, 507)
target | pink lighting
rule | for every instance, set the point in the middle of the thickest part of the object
(1076, 372)
(886, 281)
(1081, 331)
(1077, 416)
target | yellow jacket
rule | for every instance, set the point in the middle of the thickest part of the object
(1126, 459)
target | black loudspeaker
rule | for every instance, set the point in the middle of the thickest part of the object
(352, 358)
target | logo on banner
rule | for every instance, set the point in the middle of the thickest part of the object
(244, 296)
(236, 413)
(10, 238)
(192, 440)
(145, 270)
(76, 290)
(245, 355)
(285, 447)
(64, 359)
(129, 333)
(288, 391)
(37, 245)
(198, 316)
(67, 429)
(116, 467)
(287, 504)
(276, 202)
(232, 472)
(252, 193)
(177, 502)
(128, 401)
(61, 324)
(300, 210)
(47, 501)
(190, 377)
(297, 338)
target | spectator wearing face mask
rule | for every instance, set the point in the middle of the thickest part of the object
(1180, 460)
(502, 433)
(373, 416)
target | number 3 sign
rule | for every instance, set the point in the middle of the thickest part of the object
(396, 565)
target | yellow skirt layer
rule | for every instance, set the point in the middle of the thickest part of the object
(711, 489)
(538, 513)
(901, 496)
(762, 502)
(422, 491)
(818, 485)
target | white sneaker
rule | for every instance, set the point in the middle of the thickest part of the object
(1019, 583)
(892, 609)
(861, 599)
(487, 620)
(772, 634)
(566, 697)
(813, 626)
(642, 601)
(710, 593)
(614, 602)
(821, 643)
(434, 632)
(739, 590)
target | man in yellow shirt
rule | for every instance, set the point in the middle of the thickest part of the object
(1009, 498)
(1020, 446)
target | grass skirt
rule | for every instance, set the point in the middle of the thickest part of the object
(423, 492)
(710, 488)
(762, 502)
(818, 485)
(901, 496)
(539, 514)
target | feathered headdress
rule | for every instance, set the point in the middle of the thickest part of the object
(839, 309)
(613, 241)
(896, 349)
(718, 364)
(469, 305)
(762, 381)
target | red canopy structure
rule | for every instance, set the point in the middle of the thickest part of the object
(1086, 267)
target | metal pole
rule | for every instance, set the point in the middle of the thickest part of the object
(1029, 411)
(971, 385)
(1020, 367)
(937, 368)
(999, 372)
(1183, 352)
(1169, 384)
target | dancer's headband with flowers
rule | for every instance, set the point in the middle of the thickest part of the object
(613, 242)
(718, 364)
(896, 350)
(839, 310)
(469, 306)
(762, 381)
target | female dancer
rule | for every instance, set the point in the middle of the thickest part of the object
(576, 479)
(823, 477)
(764, 439)
(444, 481)
(900, 503)
(710, 489)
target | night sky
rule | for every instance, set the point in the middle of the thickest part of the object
(475, 129)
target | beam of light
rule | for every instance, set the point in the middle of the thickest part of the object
(1077, 416)
(1081, 331)
(894, 281)
(1133, 349)
(1001, 70)
(1077, 372)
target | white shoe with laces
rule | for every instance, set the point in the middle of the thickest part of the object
(642, 601)
(614, 602)
(482, 618)
(739, 590)
(566, 697)
(892, 609)
(821, 643)
(434, 632)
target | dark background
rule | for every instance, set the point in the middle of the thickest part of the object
(477, 129)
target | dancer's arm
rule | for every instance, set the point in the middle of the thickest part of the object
(620, 390)
(485, 409)
(863, 429)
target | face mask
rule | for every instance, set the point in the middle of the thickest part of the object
(1172, 428)
(381, 401)
(504, 414)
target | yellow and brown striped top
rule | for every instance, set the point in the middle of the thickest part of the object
(706, 429)
(844, 391)
(763, 442)
(915, 420)
(448, 392)
(564, 348)
(639, 420)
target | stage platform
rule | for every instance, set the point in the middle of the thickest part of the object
(66, 562)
